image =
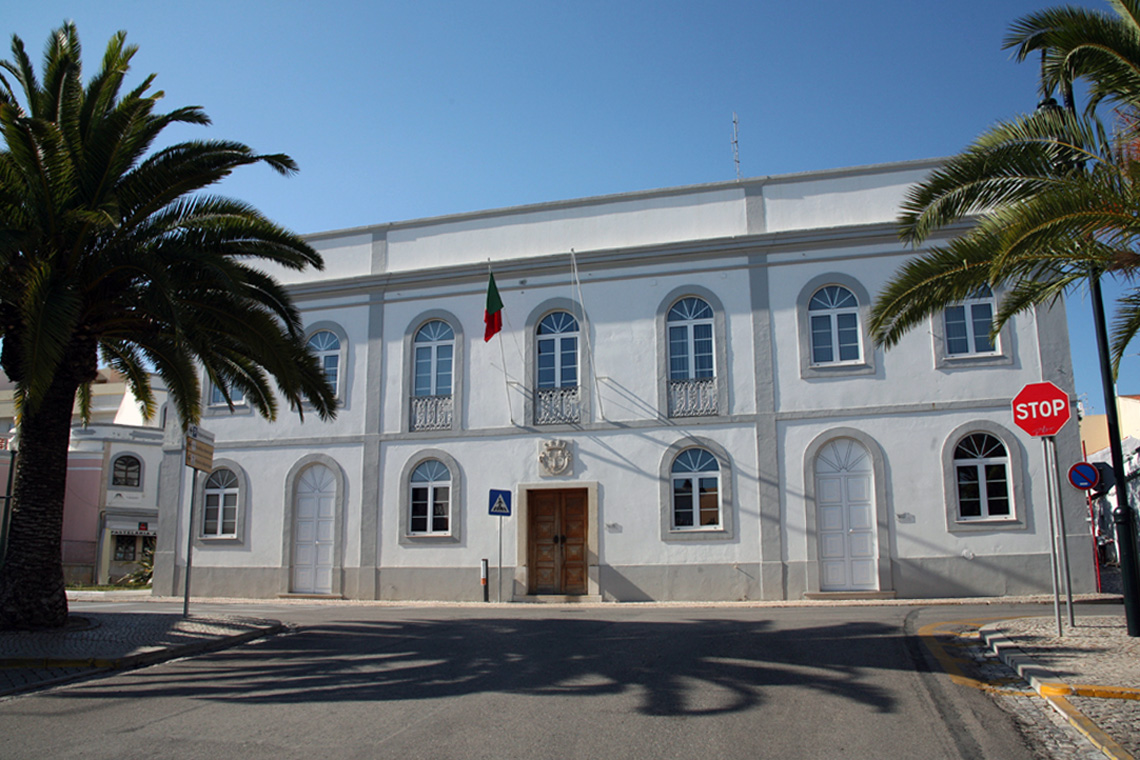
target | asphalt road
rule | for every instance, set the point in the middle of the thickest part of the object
(618, 681)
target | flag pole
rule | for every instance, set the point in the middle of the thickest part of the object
(493, 320)
(586, 331)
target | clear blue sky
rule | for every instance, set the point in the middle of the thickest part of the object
(400, 110)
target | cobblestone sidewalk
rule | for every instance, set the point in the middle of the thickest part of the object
(97, 641)
(1090, 675)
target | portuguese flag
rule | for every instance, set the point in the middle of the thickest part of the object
(493, 316)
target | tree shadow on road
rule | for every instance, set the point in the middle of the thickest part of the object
(689, 668)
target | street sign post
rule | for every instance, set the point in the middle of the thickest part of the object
(499, 505)
(1041, 410)
(199, 457)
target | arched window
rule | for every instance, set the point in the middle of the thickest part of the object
(434, 352)
(558, 350)
(696, 490)
(690, 340)
(220, 505)
(692, 366)
(430, 511)
(326, 347)
(834, 322)
(126, 472)
(981, 470)
(968, 324)
(556, 377)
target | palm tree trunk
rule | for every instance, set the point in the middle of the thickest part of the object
(31, 581)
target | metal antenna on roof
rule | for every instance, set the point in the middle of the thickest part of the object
(736, 143)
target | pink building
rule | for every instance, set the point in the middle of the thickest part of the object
(110, 511)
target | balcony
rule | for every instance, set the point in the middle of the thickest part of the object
(693, 398)
(431, 412)
(553, 406)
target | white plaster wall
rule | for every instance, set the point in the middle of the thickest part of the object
(624, 464)
(150, 454)
(345, 255)
(589, 225)
(904, 374)
(246, 425)
(912, 446)
(805, 202)
(267, 470)
(621, 310)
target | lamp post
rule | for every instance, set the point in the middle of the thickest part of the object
(1122, 515)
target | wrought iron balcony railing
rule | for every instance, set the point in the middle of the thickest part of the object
(692, 398)
(553, 406)
(431, 412)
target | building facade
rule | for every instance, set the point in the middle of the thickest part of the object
(110, 509)
(684, 404)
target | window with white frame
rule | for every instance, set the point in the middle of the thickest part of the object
(690, 324)
(968, 324)
(220, 505)
(430, 507)
(981, 471)
(237, 395)
(557, 393)
(126, 472)
(558, 350)
(692, 389)
(696, 490)
(434, 353)
(325, 345)
(833, 313)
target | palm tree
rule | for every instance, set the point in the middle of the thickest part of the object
(108, 252)
(1052, 194)
(1056, 203)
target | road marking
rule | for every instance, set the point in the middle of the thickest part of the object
(953, 665)
(1053, 693)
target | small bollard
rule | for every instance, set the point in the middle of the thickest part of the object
(483, 580)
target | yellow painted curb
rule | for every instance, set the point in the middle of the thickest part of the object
(1100, 692)
(1091, 730)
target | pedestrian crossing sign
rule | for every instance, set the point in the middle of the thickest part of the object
(500, 503)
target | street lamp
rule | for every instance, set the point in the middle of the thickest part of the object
(1122, 514)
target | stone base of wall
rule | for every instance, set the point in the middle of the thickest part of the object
(1004, 575)
(922, 578)
(736, 582)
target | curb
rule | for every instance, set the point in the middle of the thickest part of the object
(95, 665)
(1050, 686)
(147, 658)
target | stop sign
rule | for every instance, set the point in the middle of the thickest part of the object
(1041, 409)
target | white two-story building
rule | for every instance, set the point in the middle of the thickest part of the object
(684, 404)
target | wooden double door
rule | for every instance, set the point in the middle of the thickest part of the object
(558, 522)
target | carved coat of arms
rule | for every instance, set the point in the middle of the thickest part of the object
(555, 458)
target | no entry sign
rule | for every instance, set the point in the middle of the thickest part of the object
(1041, 409)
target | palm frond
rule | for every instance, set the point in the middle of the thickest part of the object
(1125, 325)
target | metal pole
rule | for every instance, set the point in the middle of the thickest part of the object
(1067, 575)
(1053, 561)
(1122, 515)
(190, 542)
(7, 516)
(499, 593)
(1093, 522)
(483, 578)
